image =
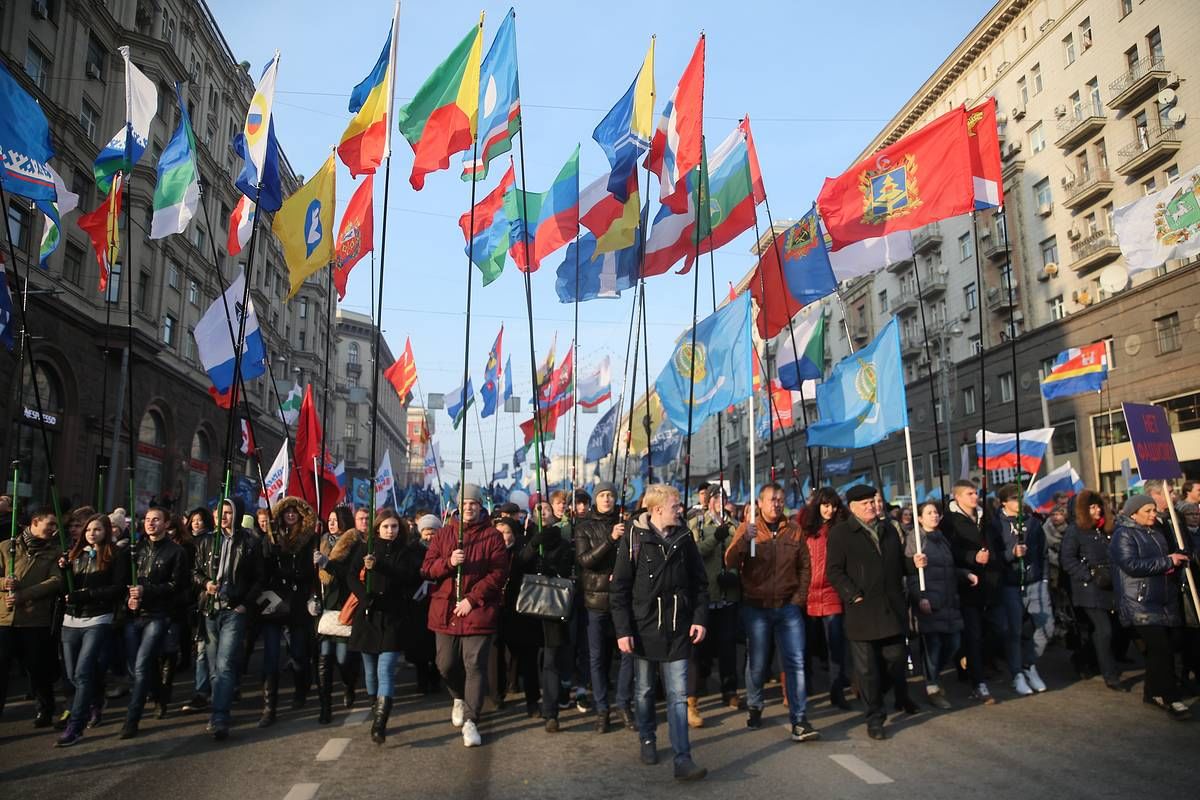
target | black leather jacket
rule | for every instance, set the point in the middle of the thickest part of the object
(596, 554)
(98, 592)
(161, 573)
(243, 588)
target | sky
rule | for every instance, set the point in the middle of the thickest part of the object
(818, 81)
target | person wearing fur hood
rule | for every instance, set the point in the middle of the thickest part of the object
(332, 559)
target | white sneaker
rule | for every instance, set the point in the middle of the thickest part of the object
(471, 735)
(1021, 686)
(1035, 681)
(458, 713)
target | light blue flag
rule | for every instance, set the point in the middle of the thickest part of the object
(25, 147)
(721, 376)
(600, 276)
(507, 378)
(458, 401)
(863, 399)
(861, 480)
(499, 101)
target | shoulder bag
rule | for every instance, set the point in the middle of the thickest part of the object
(544, 597)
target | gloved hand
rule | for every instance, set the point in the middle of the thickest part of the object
(721, 534)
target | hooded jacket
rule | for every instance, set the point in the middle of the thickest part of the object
(711, 534)
(334, 575)
(483, 576)
(246, 565)
(288, 558)
(781, 569)
(596, 553)
(34, 564)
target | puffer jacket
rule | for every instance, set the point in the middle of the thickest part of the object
(34, 564)
(1084, 549)
(483, 575)
(942, 579)
(711, 534)
(596, 554)
(823, 600)
(1147, 587)
(162, 574)
(97, 591)
(780, 571)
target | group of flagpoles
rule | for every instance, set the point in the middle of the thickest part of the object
(687, 458)
(937, 435)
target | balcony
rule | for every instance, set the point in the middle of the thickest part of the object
(1079, 127)
(1094, 251)
(861, 332)
(900, 266)
(997, 296)
(911, 345)
(353, 368)
(926, 238)
(933, 283)
(905, 303)
(1154, 145)
(993, 242)
(1141, 79)
(1087, 188)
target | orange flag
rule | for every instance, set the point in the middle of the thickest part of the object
(101, 226)
(403, 373)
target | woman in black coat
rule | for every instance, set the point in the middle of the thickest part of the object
(1084, 557)
(520, 636)
(332, 558)
(549, 553)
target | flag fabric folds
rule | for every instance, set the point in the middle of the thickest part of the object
(364, 143)
(402, 374)
(253, 182)
(560, 382)
(806, 361)
(864, 399)
(441, 118)
(624, 133)
(921, 178)
(547, 366)
(356, 236)
(488, 240)
(304, 226)
(127, 145)
(1077, 370)
(554, 212)
(675, 149)
(728, 193)
(665, 445)
(672, 237)
(715, 373)
(25, 148)
(596, 387)
(1060, 480)
(241, 224)
(871, 255)
(793, 273)
(275, 482)
(258, 133)
(652, 407)
(1161, 226)
(599, 274)
(999, 450)
(289, 407)
(102, 225)
(177, 193)
(52, 214)
(600, 441)
(499, 100)
(214, 343)
(549, 422)
(458, 401)
(247, 446)
(312, 468)
(507, 378)
(613, 221)
(983, 136)
(491, 378)
(385, 481)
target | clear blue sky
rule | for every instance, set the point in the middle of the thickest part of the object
(818, 81)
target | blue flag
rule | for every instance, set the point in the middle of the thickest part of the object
(806, 269)
(507, 378)
(518, 457)
(665, 446)
(721, 375)
(458, 401)
(501, 473)
(491, 377)
(624, 133)
(863, 399)
(600, 442)
(271, 196)
(25, 148)
(499, 102)
(6, 312)
(603, 275)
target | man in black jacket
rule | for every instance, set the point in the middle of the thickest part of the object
(596, 535)
(865, 564)
(964, 527)
(659, 601)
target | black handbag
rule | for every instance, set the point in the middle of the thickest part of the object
(544, 597)
(1101, 575)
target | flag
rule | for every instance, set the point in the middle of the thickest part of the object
(364, 144)
(559, 382)
(793, 368)
(441, 119)
(556, 215)
(6, 312)
(518, 457)
(507, 378)
(600, 442)
(25, 148)
(491, 378)
(247, 446)
(781, 403)
(1060, 480)
(999, 450)
(665, 446)
(596, 274)
(488, 241)
(596, 387)
(102, 225)
(712, 375)
(266, 186)
(672, 237)
(499, 100)
(871, 255)
(52, 216)
(863, 399)
(177, 193)
(127, 145)
(385, 481)
(431, 463)
(549, 421)
(613, 221)
(727, 193)
(547, 366)
(648, 407)
(1161, 226)
(1077, 370)
(258, 132)
(303, 480)
(924, 177)
(215, 346)
(500, 474)
(289, 408)
(241, 223)
(356, 236)
(303, 225)
(624, 133)
(339, 472)
(678, 141)
(458, 401)
(794, 271)
(275, 482)
(983, 136)
(402, 374)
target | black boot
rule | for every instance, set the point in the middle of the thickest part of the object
(383, 710)
(325, 688)
(349, 682)
(166, 676)
(270, 701)
(300, 684)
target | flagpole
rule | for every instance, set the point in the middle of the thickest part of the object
(437, 471)
(850, 342)
(712, 274)
(981, 447)
(330, 316)
(639, 299)
(482, 450)
(575, 384)
(102, 467)
(937, 436)
(766, 371)
(687, 459)
(912, 488)
(466, 373)
(616, 450)
(646, 421)
(537, 405)
(750, 366)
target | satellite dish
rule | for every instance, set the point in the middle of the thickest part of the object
(1176, 115)
(1166, 97)
(1114, 278)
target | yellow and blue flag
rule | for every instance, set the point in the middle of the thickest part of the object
(304, 225)
(1077, 370)
(624, 133)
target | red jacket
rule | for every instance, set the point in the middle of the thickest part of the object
(823, 599)
(483, 575)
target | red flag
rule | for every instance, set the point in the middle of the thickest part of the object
(101, 226)
(301, 481)
(248, 446)
(403, 373)
(984, 138)
(760, 193)
(356, 237)
(241, 224)
(769, 288)
(922, 178)
(560, 381)
(676, 146)
(549, 417)
(781, 402)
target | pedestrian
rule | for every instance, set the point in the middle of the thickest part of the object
(549, 553)
(659, 603)
(865, 563)
(964, 527)
(936, 607)
(199, 523)
(382, 574)
(419, 642)
(597, 538)
(775, 582)
(467, 564)
(712, 531)
(825, 510)
(1148, 571)
(362, 521)
(1024, 589)
(519, 636)
(1085, 558)
(583, 502)
(178, 638)
(332, 559)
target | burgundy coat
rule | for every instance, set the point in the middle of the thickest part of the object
(483, 576)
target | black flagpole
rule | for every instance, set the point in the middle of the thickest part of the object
(466, 373)
(937, 436)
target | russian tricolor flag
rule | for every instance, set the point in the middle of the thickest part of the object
(999, 450)
(1064, 479)
(215, 347)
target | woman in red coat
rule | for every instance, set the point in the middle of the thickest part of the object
(825, 510)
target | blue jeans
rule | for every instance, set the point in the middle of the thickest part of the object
(674, 678)
(1006, 616)
(202, 681)
(272, 638)
(602, 639)
(338, 648)
(1041, 613)
(226, 630)
(379, 669)
(144, 638)
(83, 654)
(787, 624)
(938, 649)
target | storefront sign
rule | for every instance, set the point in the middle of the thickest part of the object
(32, 416)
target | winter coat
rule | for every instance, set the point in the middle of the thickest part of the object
(419, 643)
(596, 552)
(380, 620)
(334, 577)
(780, 571)
(517, 630)
(162, 575)
(483, 575)
(246, 564)
(711, 535)
(942, 579)
(288, 568)
(34, 564)
(549, 553)
(967, 538)
(1084, 549)
(869, 579)
(1003, 538)
(97, 591)
(1146, 586)
(823, 600)
(659, 591)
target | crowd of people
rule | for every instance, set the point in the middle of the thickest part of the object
(651, 601)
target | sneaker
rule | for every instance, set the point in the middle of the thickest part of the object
(649, 752)
(1179, 711)
(803, 731)
(1021, 686)
(458, 713)
(60, 722)
(96, 716)
(1035, 681)
(583, 703)
(471, 736)
(937, 699)
(688, 770)
(982, 694)
(754, 718)
(198, 703)
(71, 735)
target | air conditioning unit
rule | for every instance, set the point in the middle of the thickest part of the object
(93, 70)
(1074, 234)
(1044, 209)
(965, 316)
(993, 292)
(1065, 181)
(1018, 112)
(41, 9)
(1060, 111)
(1173, 80)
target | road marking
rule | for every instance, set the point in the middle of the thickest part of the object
(861, 769)
(302, 791)
(333, 750)
(356, 718)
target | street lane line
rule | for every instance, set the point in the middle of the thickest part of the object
(302, 791)
(861, 769)
(356, 718)
(333, 750)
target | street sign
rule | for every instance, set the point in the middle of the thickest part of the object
(1152, 444)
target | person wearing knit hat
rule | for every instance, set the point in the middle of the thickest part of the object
(1135, 503)
(429, 522)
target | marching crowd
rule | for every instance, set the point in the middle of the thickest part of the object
(583, 602)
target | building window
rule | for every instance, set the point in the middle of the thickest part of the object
(1085, 33)
(1126, 8)
(37, 65)
(19, 224)
(351, 410)
(168, 330)
(1057, 309)
(114, 284)
(968, 398)
(971, 296)
(173, 275)
(302, 339)
(937, 411)
(189, 345)
(193, 292)
(976, 344)
(200, 239)
(95, 58)
(1037, 138)
(352, 353)
(1183, 412)
(1172, 173)
(1023, 88)
(1154, 45)
(348, 431)
(1035, 79)
(1166, 329)
(89, 118)
(1049, 248)
(1069, 50)
(351, 451)
(1149, 187)
(1006, 387)
(1041, 193)
(1108, 429)
(303, 308)
(1064, 439)
(883, 302)
(965, 248)
(143, 291)
(73, 265)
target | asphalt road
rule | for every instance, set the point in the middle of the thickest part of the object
(1077, 740)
